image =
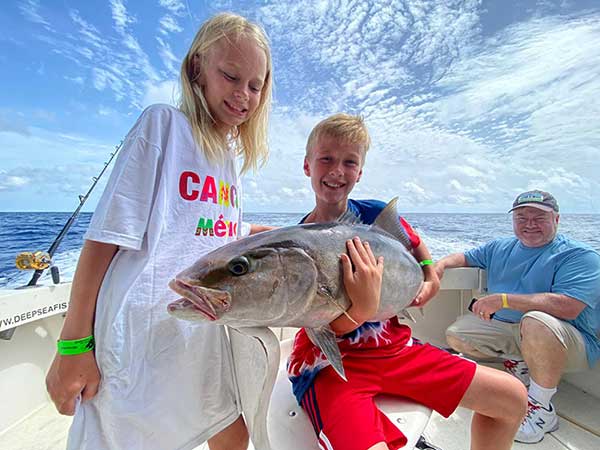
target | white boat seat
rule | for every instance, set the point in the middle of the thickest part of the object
(274, 418)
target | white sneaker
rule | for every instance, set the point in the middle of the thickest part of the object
(517, 368)
(537, 422)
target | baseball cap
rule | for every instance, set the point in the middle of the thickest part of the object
(536, 199)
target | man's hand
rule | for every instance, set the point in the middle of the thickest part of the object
(484, 307)
(72, 375)
(363, 285)
(449, 262)
(439, 269)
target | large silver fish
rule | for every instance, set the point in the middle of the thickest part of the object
(292, 277)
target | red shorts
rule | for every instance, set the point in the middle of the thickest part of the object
(344, 414)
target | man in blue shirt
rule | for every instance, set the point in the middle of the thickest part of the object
(545, 301)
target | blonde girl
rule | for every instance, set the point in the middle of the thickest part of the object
(152, 381)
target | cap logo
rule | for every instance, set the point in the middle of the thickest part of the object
(530, 197)
(537, 199)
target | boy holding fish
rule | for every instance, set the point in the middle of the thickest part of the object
(381, 357)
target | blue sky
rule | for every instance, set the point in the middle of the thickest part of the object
(468, 102)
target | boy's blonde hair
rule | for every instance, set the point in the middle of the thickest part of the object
(250, 138)
(345, 127)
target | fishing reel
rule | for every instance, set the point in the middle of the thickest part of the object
(37, 261)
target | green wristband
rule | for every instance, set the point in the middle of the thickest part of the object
(76, 346)
(426, 262)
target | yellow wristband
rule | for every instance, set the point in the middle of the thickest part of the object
(504, 300)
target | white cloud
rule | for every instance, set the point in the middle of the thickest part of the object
(282, 181)
(117, 65)
(106, 111)
(455, 184)
(12, 182)
(120, 15)
(88, 31)
(168, 24)
(77, 80)
(163, 92)
(170, 61)
(465, 109)
(30, 9)
(174, 6)
(412, 187)
(58, 167)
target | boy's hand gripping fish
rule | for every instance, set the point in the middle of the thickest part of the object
(292, 277)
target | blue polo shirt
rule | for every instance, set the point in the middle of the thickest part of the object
(563, 266)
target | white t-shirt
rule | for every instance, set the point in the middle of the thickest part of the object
(166, 383)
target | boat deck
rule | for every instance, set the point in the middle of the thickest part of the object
(579, 427)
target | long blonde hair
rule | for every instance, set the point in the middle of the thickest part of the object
(250, 138)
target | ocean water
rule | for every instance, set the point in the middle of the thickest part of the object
(443, 234)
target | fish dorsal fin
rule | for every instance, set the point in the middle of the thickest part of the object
(349, 217)
(389, 221)
(325, 339)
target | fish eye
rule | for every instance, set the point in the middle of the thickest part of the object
(238, 266)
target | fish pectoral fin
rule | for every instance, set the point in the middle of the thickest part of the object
(407, 315)
(325, 339)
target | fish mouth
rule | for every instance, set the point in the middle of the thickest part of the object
(211, 303)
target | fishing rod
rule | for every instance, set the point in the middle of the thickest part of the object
(40, 261)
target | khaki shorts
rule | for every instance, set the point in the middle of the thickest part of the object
(503, 340)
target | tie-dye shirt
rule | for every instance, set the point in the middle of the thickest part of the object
(388, 336)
